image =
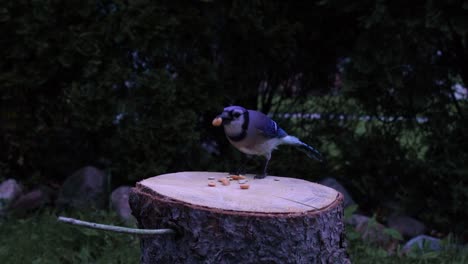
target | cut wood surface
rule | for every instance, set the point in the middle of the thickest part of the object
(276, 220)
(272, 194)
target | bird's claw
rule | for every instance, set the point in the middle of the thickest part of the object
(240, 171)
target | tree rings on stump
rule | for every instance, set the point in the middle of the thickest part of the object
(275, 220)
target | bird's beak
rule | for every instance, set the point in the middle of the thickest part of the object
(226, 117)
(222, 119)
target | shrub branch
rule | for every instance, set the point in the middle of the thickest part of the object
(118, 229)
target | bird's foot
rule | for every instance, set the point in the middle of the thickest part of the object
(237, 172)
(260, 176)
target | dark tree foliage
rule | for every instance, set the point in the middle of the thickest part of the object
(132, 86)
(405, 59)
(94, 82)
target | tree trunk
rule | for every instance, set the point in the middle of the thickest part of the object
(277, 220)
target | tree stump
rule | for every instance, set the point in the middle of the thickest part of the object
(277, 220)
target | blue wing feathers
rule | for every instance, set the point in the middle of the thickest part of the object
(272, 130)
(266, 126)
(281, 133)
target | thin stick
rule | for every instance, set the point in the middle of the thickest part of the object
(118, 229)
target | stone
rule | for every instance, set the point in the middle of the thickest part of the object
(333, 183)
(10, 190)
(372, 232)
(406, 226)
(119, 201)
(85, 188)
(357, 220)
(32, 200)
(423, 243)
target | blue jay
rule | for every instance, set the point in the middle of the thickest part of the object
(254, 133)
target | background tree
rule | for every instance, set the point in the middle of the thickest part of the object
(132, 86)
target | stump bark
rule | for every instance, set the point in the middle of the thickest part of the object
(277, 220)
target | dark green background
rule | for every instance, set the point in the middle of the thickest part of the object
(68, 68)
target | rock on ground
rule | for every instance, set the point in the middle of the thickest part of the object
(357, 220)
(10, 190)
(372, 232)
(407, 226)
(119, 201)
(85, 188)
(423, 243)
(32, 200)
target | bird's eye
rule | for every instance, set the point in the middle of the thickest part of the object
(236, 114)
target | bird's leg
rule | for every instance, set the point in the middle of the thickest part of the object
(264, 174)
(241, 169)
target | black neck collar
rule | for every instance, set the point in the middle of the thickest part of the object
(245, 126)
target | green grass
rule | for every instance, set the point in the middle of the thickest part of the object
(364, 252)
(41, 239)
(361, 252)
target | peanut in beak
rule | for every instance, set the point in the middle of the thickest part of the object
(217, 121)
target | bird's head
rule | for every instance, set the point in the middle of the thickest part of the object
(232, 116)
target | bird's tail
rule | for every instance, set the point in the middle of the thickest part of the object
(311, 152)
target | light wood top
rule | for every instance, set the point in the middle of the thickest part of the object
(272, 194)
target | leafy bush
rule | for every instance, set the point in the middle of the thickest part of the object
(95, 84)
(131, 86)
